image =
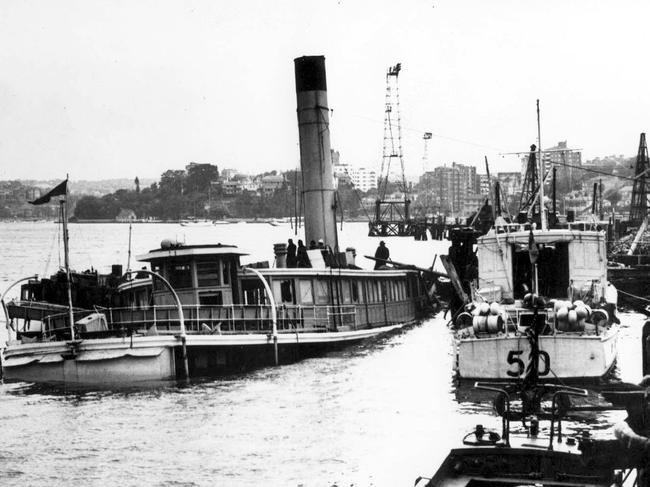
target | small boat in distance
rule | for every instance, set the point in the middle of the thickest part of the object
(191, 222)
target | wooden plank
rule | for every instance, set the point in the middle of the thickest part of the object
(453, 277)
(637, 239)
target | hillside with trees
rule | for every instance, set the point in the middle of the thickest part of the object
(198, 191)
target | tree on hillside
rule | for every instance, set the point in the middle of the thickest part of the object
(172, 181)
(199, 177)
(94, 208)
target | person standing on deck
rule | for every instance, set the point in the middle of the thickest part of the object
(291, 254)
(381, 253)
(301, 255)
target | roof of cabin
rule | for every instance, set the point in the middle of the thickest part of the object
(306, 272)
(541, 236)
(190, 251)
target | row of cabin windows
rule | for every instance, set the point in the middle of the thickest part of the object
(351, 291)
(208, 274)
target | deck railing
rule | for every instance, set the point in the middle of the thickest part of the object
(203, 319)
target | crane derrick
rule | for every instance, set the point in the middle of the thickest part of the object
(530, 186)
(639, 207)
(391, 216)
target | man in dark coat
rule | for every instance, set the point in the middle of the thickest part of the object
(381, 253)
(291, 254)
(301, 256)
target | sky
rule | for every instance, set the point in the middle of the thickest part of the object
(106, 89)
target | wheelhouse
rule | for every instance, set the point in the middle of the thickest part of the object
(199, 274)
(565, 264)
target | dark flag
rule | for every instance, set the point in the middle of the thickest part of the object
(59, 190)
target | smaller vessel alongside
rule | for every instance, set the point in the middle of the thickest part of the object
(533, 454)
(527, 452)
(564, 269)
(537, 271)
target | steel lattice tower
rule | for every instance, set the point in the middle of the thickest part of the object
(530, 186)
(639, 207)
(392, 131)
(391, 218)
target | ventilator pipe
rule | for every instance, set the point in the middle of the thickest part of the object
(181, 318)
(274, 315)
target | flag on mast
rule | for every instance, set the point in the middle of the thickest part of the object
(59, 190)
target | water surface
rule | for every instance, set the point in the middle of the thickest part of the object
(375, 414)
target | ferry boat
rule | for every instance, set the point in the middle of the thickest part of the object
(564, 269)
(198, 311)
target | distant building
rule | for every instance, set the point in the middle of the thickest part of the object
(228, 174)
(270, 184)
(32, 193)
(566, 160)
(250, 184)
(342, 174)
(510, 182)
(483, 184)
(126, 215)
(364, 179)
(453, 186)
(232, 188)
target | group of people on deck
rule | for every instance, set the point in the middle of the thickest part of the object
(297, 256)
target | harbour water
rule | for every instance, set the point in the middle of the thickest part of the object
(375, 414)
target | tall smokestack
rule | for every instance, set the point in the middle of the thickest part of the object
(315, 154)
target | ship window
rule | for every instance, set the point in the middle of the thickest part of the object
(354, 287)
(286, 292)
(157, 283)
(215, 298)
(208, 274)
(180, 276)
(306, 296)
(226, 272)
(345, 288)
(321, 291)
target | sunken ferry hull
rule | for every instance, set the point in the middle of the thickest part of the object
(144, 343)
(202, 313)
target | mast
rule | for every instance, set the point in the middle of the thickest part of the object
(542, 213)
(66, 252)
(490, 196)
(315, 153)
(128, 260)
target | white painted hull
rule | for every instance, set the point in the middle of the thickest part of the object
(145, 358)
(570, 356)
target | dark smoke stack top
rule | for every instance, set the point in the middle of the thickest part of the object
(310, 73)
